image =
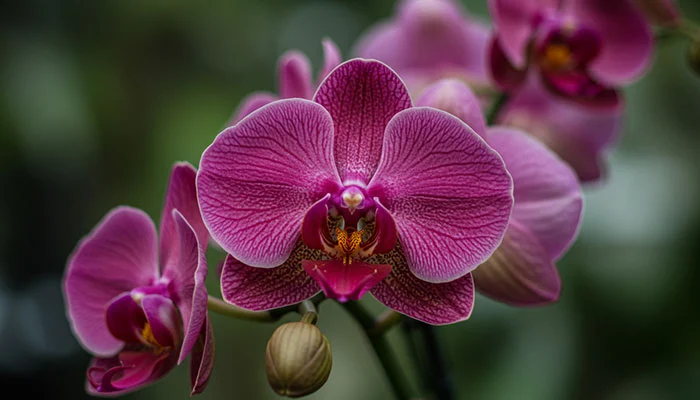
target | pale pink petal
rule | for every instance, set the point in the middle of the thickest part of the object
(520, 272)
(262, 289)
(361, 97)
(181, 194)
(514, 21)
(457, 99)
(120, 254)
(447, 190)
(202, 361)
(548, 201)
(251, 103)
(294, 74)
(259, 177)
(432, 303)
(627, 38)
(331, 58)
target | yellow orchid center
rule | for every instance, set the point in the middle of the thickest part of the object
(348, 243)
(557, 56)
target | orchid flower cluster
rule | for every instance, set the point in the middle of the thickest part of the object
(447, 158)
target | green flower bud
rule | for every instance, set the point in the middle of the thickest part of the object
(297, 359)
(694, 55)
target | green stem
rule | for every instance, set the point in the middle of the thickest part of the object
(308, 311)
(220, 307)
(381, 347)
(496, 107)
(385, 321)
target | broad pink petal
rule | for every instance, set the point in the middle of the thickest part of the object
(503, 72)
(447, 190)
(331, 58)
(548, 201)
(181, 194)
(345, 282)
(514, 21)
(188, 278)
(361, 97)
(202, 361)
(432, 303)
(251, 103)
(125, 318)
(262, 289)
(120, 254)
(627, 38)
(164, 319)
(520, 272)
(294, 74)
(385, 42)
(457, 99)
(258, 178)
(581, 136)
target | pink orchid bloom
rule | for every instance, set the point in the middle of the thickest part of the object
(582, 49)
(428, 40)
(546, 212)
(294, 79)
(140, 305)
(352, 192)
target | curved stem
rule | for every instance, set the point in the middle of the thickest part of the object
(385, 321)
(496, 107)
(221, 307)
(381, 347)
(308, 311)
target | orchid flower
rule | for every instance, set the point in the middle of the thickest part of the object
(546, 212)
(428, 40)
(294, 79)
(582, 49)
(139, 305)
(352, 192)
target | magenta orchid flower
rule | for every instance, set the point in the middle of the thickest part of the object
(140, 305)
(428, 40)
(355, 191)
(581, 136)
(294, 79)
(546, 212)
(582, 49)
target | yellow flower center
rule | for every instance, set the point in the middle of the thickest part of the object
(557, 57)
(348, 243)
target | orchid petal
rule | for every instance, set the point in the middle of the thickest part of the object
(447, 190)
(202, 361)
(294, 74)
(164, 320)
(514, 21)
(125, 318)
(361, 97)
(520, 272)
(259, 177)
(548, 201)
(251, 103)
(432, 303)
(627, 38)
(181, 195)
(261, 289)
(120, 254)
(331, 58)
(345, 282)
(503, 72)
(457, 99)
(127, 372)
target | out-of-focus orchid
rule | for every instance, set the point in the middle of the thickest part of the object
(294, 79)
(582, 49)
(546, 212)
(428, 40)
(355, 191)
(140, 305)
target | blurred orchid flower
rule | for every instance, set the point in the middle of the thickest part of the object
(546, 212)
(355, 191)
(139, 305)
(582, 49)
(293, 78)
(428, 40)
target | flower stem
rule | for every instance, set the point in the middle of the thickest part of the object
(385, 321)
(308, 311)
(220, 307)
(381, 347)
(428, 354)
(498, 103)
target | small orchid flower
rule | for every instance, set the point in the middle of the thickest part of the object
(139, 305)
(294, 79)
(546, 212)
(355, 191)
(581, 136)
(428, 40)
(582, 49)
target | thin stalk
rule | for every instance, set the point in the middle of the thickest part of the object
(385, 321)
(498, 103)
(220, 307)
(380, 345)
(308, 311)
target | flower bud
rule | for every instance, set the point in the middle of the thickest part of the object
(694, 55)
(297, 359)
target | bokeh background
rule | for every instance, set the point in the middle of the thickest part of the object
(99, 99)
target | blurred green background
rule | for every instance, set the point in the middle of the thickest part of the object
(100, 98)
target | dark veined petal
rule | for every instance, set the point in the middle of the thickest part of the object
(448, 191)
(259, 177)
